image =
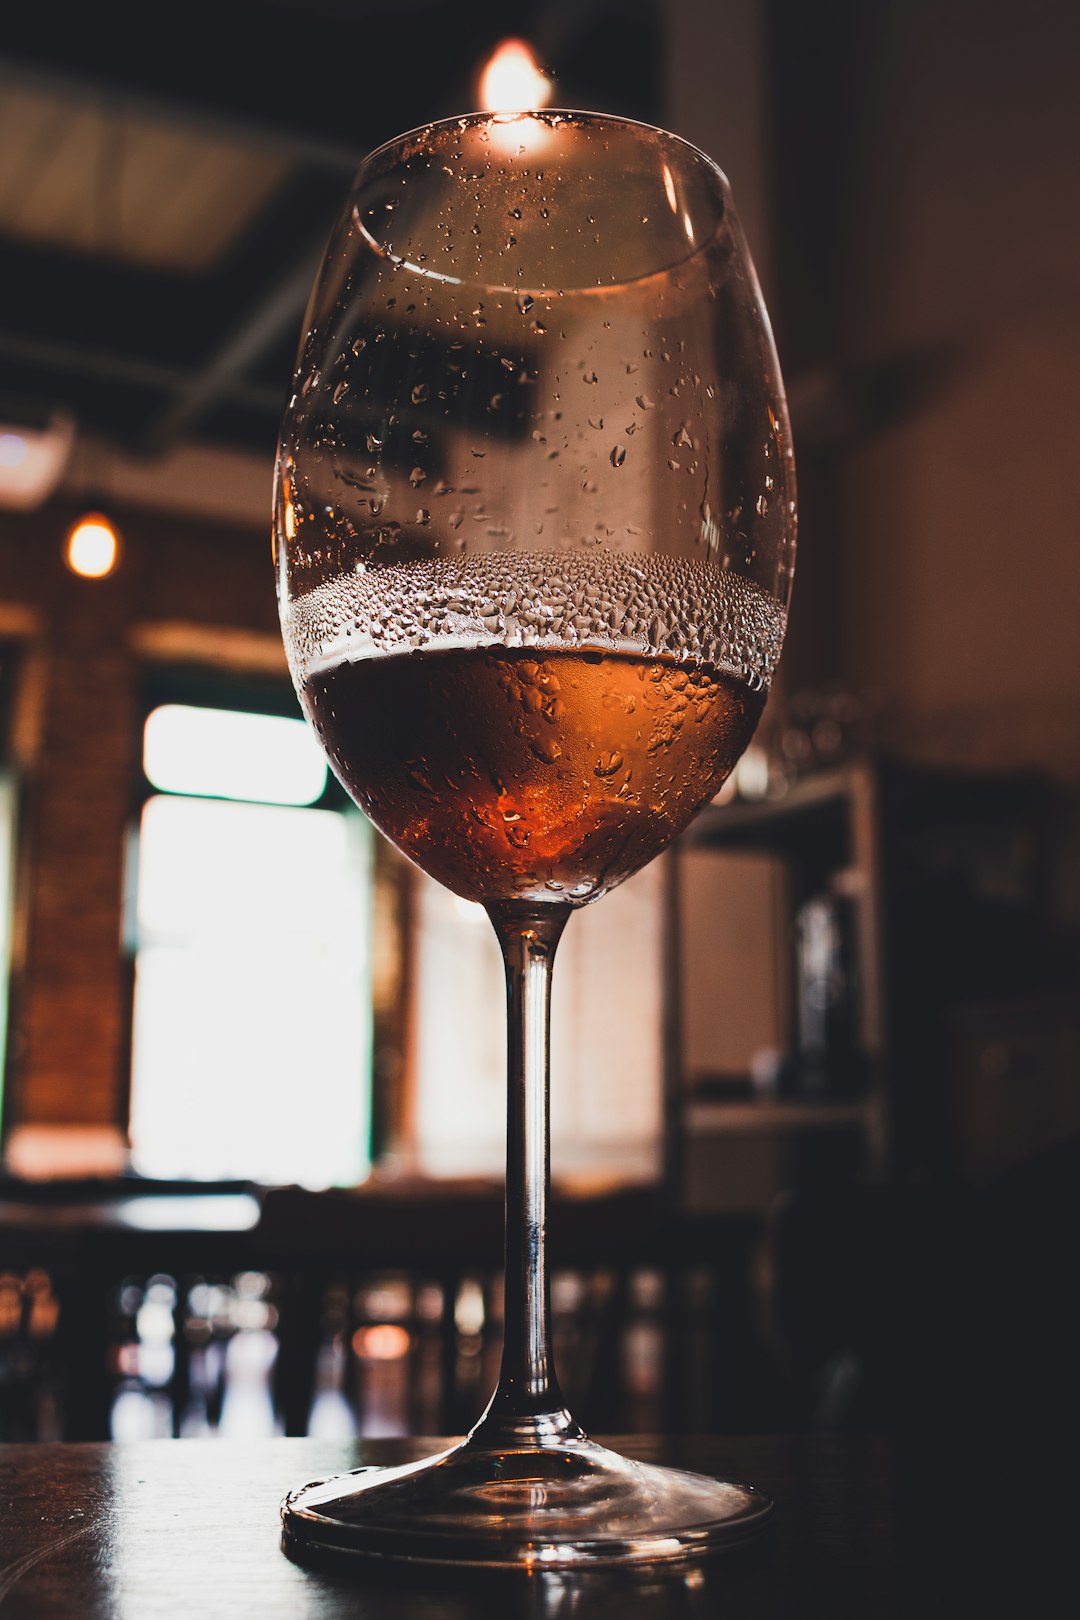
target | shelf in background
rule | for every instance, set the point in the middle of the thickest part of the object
(774, 1115)
(749, 819)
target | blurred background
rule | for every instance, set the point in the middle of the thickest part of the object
(816, 1104)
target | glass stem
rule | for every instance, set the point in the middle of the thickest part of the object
(527, 1407)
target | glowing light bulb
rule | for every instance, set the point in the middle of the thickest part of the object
(512, 81)
(92, 548)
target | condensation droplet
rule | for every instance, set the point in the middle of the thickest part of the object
(419, 393)
(618, 455)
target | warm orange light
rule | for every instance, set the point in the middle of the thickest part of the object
(512, 80)
(92, 548)
(386, 1341)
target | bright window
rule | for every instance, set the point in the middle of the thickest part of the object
(250, 922)
(228, 755)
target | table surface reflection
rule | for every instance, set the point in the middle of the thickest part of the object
(190, 1527)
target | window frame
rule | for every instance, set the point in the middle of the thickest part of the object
(237, 692)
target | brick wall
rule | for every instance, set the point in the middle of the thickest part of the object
(196, 591)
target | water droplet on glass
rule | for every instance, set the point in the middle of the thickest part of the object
(524, 303)
(417, 476)
(589, 377)
(339, 392)
(373, 443)
(419, 393)
(644, 402)
(596, 422)
(682, 439)
(618, 455)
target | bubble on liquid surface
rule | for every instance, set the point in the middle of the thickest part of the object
(685, 609)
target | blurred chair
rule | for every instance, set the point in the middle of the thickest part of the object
(654, 1320)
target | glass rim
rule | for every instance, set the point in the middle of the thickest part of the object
(726, 216)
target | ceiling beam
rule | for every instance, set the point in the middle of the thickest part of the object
(279, 140)
(223, 376)
(105, 366)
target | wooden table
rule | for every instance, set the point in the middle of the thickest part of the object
(190, 1528)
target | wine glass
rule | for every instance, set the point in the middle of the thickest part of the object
(534, 535)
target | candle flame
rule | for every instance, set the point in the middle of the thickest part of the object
(512, 81)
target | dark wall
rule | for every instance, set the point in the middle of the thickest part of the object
(929, 259)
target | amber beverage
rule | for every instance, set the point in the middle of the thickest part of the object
(507, 774)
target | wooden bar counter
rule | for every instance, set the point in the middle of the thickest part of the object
(163, 1530)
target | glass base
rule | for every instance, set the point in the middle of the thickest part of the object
(561, 1507)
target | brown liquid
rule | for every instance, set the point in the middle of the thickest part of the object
(507, 774)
